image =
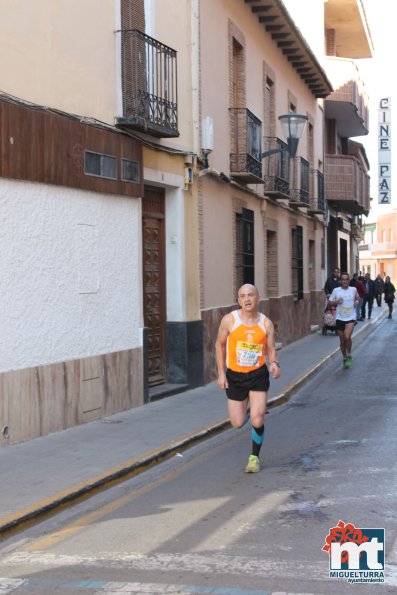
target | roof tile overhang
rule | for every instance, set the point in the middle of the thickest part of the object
(280, 25)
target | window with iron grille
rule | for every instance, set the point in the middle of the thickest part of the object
(272, 268)
(276, 167)
(130, 171)
(246, 139)
(245, 257)
(97, 164)
(320, 191)
(312, 265)
(282, 168)
(297, 261)
(303, 192)
(323, 251)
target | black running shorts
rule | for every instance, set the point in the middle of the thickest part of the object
(340, 325)
(240, 384)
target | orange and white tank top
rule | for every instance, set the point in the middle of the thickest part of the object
(246, 345)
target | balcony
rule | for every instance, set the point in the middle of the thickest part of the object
(149, 85)
(301, 191)
(317, 200)
(381, 249)
(245, 160)
(346, 184)
(348, 104)
(347, 18)
(276, 169)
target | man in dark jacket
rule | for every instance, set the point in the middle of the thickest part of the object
(332, 282)
(369, 286)
(379, 289)
(359, 285)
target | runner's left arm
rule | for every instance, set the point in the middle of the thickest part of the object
(274, 366)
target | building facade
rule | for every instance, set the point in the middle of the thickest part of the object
(347, 189)
(145, 176)
(378, 249)
(159, 75)
(278, 222)
(70, 195)
(98, 144)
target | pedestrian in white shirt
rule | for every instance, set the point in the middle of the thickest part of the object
(346, 299)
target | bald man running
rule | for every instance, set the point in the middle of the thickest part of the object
(244, 339)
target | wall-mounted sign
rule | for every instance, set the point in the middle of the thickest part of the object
(384, 151)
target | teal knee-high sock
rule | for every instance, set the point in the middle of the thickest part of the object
(257, 435)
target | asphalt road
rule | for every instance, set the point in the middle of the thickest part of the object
(198, 524)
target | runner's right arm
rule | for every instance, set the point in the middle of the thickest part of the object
(220, 350)
(333, 300)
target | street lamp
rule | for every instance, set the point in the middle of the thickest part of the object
(293, 126)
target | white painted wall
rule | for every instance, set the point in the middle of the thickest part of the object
(70, 274)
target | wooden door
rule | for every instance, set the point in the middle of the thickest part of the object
(153, 253)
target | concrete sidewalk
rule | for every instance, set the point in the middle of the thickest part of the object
(41, 474)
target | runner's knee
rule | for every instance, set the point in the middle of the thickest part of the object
(237, 422)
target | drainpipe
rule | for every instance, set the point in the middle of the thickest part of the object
(195, 76)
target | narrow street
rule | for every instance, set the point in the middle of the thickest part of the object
(198, 524)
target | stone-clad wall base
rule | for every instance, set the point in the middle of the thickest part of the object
(211, 320)
(292, 320)
(44, 399)
(185, 353)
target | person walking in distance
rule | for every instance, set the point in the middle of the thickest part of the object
(379, 289)
(244, 346)
(355, 282)
(345, 298)
(369, 286)
(390, 290)
(332, 282)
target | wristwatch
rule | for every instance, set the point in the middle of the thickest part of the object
(276, 362)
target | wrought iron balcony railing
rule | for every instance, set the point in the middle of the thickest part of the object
(317, 200)
(149, 85)
(246, 133)
(301, 182)
(320, 192)
(276, 169)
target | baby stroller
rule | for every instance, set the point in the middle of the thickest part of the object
(329, 319)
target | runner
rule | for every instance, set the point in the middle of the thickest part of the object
(245, 336)
(346, 299)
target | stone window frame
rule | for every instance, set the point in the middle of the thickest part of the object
(271, 258)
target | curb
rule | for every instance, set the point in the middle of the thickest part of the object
(45, 508)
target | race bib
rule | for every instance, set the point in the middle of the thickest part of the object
(248, 354)
(345, 310)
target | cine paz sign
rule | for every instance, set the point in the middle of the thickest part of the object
(384, 151)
